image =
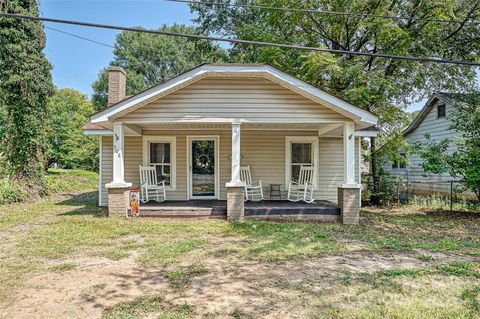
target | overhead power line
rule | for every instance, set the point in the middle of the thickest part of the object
(240, 41)
(324, 12)
(80, 37)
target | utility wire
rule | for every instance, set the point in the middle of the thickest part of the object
(325, 12)
(219, 39)
(80, 37)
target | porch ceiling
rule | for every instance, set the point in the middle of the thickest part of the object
(228, 126)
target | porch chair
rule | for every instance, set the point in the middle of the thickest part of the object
(253, 190)
(149, 187)
(303, 188)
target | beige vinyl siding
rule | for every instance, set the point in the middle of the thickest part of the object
(264, 151)
(133, 158)
(216, 99)
(106, 168)
(225, 146)
(331, 168)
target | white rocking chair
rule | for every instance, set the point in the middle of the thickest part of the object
(149, 187)
(253, 190)
(303, 189)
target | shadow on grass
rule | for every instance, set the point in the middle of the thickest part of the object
(86, 203)
(453, 214)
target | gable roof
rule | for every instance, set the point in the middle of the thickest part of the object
(439, 96)
(234, 70)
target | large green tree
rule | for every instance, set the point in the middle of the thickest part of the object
(67, 145)
(25, 86)
(384, 86)
(150, 59)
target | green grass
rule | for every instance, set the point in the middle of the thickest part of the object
(455, 268)
(180, 277)
(134, 309)
(160, 254)
(68, 226)
(61, 181)
(148, 306)
(283, 241)
(63, 266)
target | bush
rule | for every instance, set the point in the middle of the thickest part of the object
(11, 193)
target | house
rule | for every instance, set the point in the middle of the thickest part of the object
(233, 114)
(433, 119)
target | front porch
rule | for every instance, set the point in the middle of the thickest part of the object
(321, 210)
(198, 129)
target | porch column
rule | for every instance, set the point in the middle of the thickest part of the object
(349, 153)
(349, 192)
(118, 201)
(235, 188)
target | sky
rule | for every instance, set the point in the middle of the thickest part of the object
(76, 63)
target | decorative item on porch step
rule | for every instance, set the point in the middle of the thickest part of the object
(135, 202)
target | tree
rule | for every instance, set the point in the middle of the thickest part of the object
(464, 162)
(67, 145)
(383, 86)
(150, 59)
(25, 86)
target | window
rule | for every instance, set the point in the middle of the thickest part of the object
(159, 152)
(441, 110)
(300, 151)
(400, 163)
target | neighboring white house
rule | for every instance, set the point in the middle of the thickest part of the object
(433, 119)
(248, 114)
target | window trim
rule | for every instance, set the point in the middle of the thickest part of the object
(173, 156)
(288, 156)
(445, 111)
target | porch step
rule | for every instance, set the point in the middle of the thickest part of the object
(183, 211)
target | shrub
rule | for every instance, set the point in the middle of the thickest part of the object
(11, 193)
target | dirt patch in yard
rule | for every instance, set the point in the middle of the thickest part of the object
(257, 289)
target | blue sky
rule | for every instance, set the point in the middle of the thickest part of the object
(76, 62)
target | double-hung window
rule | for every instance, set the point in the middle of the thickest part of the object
(301, 151)
(159, 152)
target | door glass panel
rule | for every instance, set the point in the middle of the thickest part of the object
(203, 168)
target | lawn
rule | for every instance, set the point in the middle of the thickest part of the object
(62, 258)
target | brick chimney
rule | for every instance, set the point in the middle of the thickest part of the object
(117, 84)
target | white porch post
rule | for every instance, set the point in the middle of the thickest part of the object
(349, 153)
(118, 153)
(235, 153)
(349, 192)
(235, 188)
(118, 189)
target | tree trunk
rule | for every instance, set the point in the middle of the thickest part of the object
(373, 172)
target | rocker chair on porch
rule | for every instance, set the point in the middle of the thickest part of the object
(253, 190)
(149, 187)
(303, 189)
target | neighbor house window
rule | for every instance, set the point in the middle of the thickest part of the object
(441, 110)
(401, 163)
(300, 151)
(159, 152)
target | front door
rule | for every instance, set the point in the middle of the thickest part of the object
(203, 167)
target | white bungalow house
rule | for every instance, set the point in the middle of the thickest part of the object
(227, 116)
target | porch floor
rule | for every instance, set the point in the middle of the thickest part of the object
(264, 209)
